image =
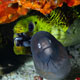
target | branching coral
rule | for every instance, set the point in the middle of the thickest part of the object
(10, 10)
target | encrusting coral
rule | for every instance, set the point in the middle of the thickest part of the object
(10, 10)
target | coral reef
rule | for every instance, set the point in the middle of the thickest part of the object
(10, 10)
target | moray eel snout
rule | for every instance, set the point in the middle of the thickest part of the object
(22, 39)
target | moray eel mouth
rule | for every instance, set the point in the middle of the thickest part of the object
(22, 39)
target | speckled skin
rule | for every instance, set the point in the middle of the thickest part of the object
(67, 35)
(50, 57)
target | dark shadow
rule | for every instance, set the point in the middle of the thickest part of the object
(8, 60)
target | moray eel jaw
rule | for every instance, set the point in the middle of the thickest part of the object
(22, 39)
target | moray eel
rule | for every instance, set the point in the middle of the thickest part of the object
(55, 24)
(50, 57)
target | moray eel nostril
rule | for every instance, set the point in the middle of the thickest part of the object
(50, 57)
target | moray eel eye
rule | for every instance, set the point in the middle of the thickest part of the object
(31, 26)
(43, 43)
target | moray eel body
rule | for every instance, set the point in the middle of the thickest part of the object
(66, 34)
(50, 57)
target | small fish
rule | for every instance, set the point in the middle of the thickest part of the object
(50, 57)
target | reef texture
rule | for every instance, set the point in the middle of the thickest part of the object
(10, 10)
